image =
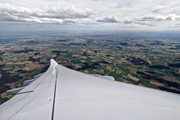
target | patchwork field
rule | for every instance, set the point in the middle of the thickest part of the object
(140, 60)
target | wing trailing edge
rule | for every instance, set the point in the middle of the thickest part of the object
(14, 91)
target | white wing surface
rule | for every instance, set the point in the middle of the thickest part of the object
(64, 94)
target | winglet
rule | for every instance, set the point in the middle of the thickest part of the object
(53, 65)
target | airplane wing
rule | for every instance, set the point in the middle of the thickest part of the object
(64, 94)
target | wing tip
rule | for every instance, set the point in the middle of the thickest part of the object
(53, 62)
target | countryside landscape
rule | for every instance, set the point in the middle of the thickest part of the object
(146, 59)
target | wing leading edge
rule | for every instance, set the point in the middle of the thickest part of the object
(62, 93)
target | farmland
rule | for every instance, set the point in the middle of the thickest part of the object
(140, 59)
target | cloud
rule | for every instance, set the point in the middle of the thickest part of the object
(131, 13)
(136, 22)
(125, 22)
(143, 23)
(128, 22)
(108, 20)
(62, 15)
(160, 18)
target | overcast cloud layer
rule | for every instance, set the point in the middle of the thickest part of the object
(90, 14)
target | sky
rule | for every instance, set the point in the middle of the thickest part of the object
(47, 15)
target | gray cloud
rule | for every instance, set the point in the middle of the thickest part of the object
(62, 15)
(108, 20)
(160, 18)
(135, 22)
(143, 23)
(126, 22)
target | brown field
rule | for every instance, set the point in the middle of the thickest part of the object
(76, 66)
(134, 78)
(7, 69)
(25, 62)
(31, 67)
(108, 67)
(94, 60)
(16, 69)
(63, 53)
(157, 83)
(1, 47)
(125, 81)
(64, 64)
(11, 85)
(119, 71)
(149, 61)
(77, 40)
(82, 61)
(172, 51)
(19, 54)
(101, 71)
(23, 74)
(160, 61)
(141, 85)
(169, 78)
(9, 63)
(123, 60)
(59, 61)
(89, 51)
(86, 71)
(41, 56)
(131, 68)
(95, 70)
(174, 88)
(75, 55)
(6, 95)
(160, 72)
(83, 57)
(138, 56)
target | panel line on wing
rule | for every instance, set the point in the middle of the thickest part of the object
(20, 108)
(40, 82)
(85, 103)
(33, 88)
(88, 107)
(52, 118)
(50, 81)
(24, 92)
